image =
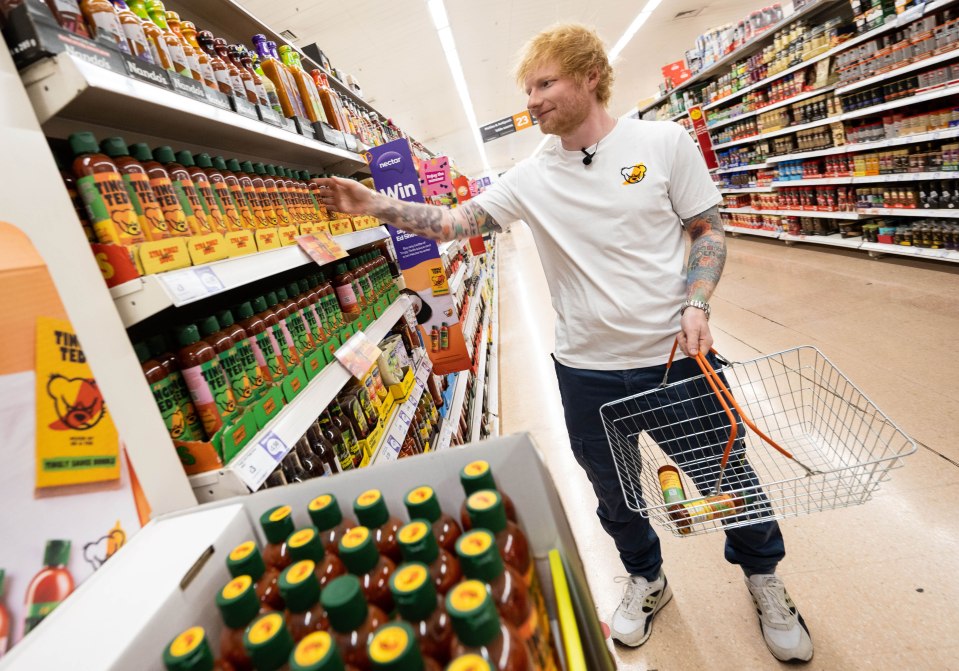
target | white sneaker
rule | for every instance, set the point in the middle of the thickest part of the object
(633, 620)
(783, 628)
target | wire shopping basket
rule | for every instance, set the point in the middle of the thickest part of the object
(816, 442)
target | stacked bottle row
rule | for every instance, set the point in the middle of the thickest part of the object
(228, 360)
(375, 593)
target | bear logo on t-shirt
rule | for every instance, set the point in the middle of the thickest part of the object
(633, 174)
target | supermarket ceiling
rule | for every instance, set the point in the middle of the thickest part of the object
(394, 51)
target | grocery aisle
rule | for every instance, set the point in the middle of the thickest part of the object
(875, 583)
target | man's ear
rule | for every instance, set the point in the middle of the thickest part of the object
(592, 80)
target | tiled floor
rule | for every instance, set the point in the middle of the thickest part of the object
(877, 584)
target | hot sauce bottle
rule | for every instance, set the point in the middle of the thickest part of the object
(470, 662)
(168, 197)
(5, 624)
(245, 352)
(277, 525)
(156, 12)
(211, 205)
(68, 15)
(325, 513)
(208, 63)
(199, 61)
(486, 511)
(277, 213)
(286, 90)
(268, 85)
(306, 301)
(295, 322)
(307, 544)
(479, 629)
(269, 217)
(304, 84)
(359, 554)
(481, 561)
(245, 559)
(221, 191)
(257, 217)
(372, 512)
(104, 23)
(268, 642)
(478, 475)
(185, 189)
(318, 652)
(301, 591)
(226, 74)
(334, 113)
(229, 358)
(190, 651)
(208, 384)
(144, 201)
(104, 193)
(244, 61)
(132, 29)
(239, 606)
(164, 394)
(394, 648)
(346, 293)
(232, 178)
(155, 36)
(160, 351)
(277, 331)
(50, 586)
(260, 338)
(418, 544)
(418, 603)
(280, 195)
(228, 52)
(352, 620)
(291, 355)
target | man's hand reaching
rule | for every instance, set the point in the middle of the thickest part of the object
(345, 195)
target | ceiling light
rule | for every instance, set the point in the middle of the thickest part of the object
(445, 33)
(633, 28)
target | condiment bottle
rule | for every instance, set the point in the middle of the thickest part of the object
(208, 384)
(170, 199)
(330, 302)
(479, 630)
(229, 51)
(349, 405)
(346, 293)
(276, 186)
(394, 648)
(311, 464)
(258, 217)
(296, 321)
(362, 275)
(69, 16)
(212, 207)
(418, 603)
(164, 395)
(478, 475)
(231, 363)
(208, 64)
(486, 511)
(325, 513)
(291, 355)
(264, 345)
(307, 543)
(263, 197)
(221, 191)
(268, 85)
(240, 200)
(190, 651)
(226, 73)
(51, 585)
(277, 213)
(160, 351)
(268, 642)
(481, 561)
(104, 193)
(293, 469)
(418, 544)
(331, 106)
(318, 652)
(341, 443)
(286, 90)
(144, 202)
(244, 61)
(155, 36)
(323, 449)
(132, 29)
(301, 591)
(291, 195)
(157, 13)
(277, 525)
(245, 559)
(239, 606)
(351, 439)
(304, 84)
(183, 184)
(372, 512)
(352, 620)
(199, 61)
(104, 23)
(359, 554)
(307, 302)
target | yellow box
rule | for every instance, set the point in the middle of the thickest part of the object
(240, 243)
(401, 391)
(387, 405)
(267, 238)
(207, 248)
(372, 442)
(308, 228)
(341, 226)
(162, 255)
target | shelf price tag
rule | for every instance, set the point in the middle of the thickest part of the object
(218, 99)
(358, 354)
(321, 247)
(188, 87)
(191, 284)
(256, 464)
(245, 108)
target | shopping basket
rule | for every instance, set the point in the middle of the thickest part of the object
(814, 442)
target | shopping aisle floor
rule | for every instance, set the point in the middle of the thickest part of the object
(876, 583)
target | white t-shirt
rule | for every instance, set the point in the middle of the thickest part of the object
(610, 238)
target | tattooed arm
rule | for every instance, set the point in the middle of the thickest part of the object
(707, 256)
(429, 221)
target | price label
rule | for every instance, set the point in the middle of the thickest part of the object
(254, 466)
(358, 354)
(217, 99)
(321, 247)
(911, 15)
(191, 284)
(244, 107)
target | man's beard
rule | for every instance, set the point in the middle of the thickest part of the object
(565, 122)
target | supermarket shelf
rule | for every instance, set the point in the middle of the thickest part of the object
(876, 248)
(760, 232)
(479, 385)
(493, 391)
(741, 168)
(834, 240)
(868, 179)
(794, 213)
(399, 421)
(749, 189)
(782, 131)
(824, 181)
(769, 108)
(918, 65)
(677, 117)
(62, 87)
(444, 247)
(452, 420)
(146, 296)
(855, 147)
(457, 278)
(469, 325)
(908, 212)
(250, 468)
(744, 50)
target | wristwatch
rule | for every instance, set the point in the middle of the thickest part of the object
(695, 304)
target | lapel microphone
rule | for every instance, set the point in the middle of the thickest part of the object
(587, 157)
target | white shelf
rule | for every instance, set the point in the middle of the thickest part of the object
(469, 325)
(909, 100)
(399, 423)
(493, 391)
(834, 240)
(921, 252)
(479, 385)
(768, 108)
(794, 213)
(824, 181)
(870, 179)
(781, 131)
(741, 168)
(457, 278)
(249, 469)
(855, 147)
(65, 88)
(918, 65)
(908, 212)
(146, 296)
(452, 420)
(748, 189)
(445, 247)
(677, 117)
(760, 232)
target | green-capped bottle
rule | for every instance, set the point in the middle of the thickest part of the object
(277, 525)
(394, 648)
(417, 543)
(301, 591)
(359, 554)
(307, 543)
(245, 559)
(243, 344)
(470, 662)
(326, 515)
(418, 603)
(421, 503)
(160, 351)
(486, 511)
(164, 394)
(189, 651)
(268, 642)
(229, 357)
(239, 605)
(479, 630)
(317, 652)
(372, 512)
(352, 620)
(478, 475)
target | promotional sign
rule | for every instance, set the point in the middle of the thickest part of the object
(507, 126)
(702, 134)
(321, 247)
(436, 176)
(461, 187)
(676, 73)
(395, 175)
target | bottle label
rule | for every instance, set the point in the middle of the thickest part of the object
(301, 337)
(147, 208)
(268, 355)
(280, 207)
(137, 41)
(266, 205)
(287, 345)
(166, 397)
(41, 609)
(331, 307)
(313, 322)
(253, 198)
(111, 212)
(251, 366)
(235, 369)
(223, 77)
(538, 637)
(206, 71)
(169, 203)
(224, 199)
(347, 298)
(209, 204)
(180, 63)
(190, 203)
(242, 203)
(211, 394)
(107, 22)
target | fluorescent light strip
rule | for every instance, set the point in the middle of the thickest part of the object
(445, 33)
(633, 28)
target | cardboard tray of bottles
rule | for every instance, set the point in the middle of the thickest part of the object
(166, 578)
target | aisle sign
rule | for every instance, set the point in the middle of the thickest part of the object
(436, 176)
(702, 134)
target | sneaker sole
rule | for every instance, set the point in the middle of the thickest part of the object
(628, 642)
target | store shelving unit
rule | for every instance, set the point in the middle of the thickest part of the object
(398, 424)
(759, 232)
(493, 389)
(748, 189)
(479, 383)
(452, 419)
(741, 168)
(795, 213)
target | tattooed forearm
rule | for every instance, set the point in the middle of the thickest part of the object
(433, 222)
(707, 254)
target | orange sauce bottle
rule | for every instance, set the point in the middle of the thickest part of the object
(167, 196)
(104, 23)
(478, 475)
(301, 591)
(359, 554)
(249, 190)
(418, 603)
(352, 620)
(307, 544)
(286, 89)
(239, 606)
(394, 647)
(155, 36)
(486, 511)
(240, 199)
(183, 184)
(277, 190)
(221, 192)
(325, 513)
(372, 512)
(157, 13)
(263, 197)
(148, 209)
(212, 208)
(268, 642)
(418, 544)
(277, 525)
(479, 629)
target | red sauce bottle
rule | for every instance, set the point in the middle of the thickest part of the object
(68, 15)
(421, 503)
(486, 511)
(265, 347)
(229, 357)
(281, 330)
(262, 206)
(418, 544)
(418, 603)
(244, 351)
(344, 284)
(318, 652)
(239, 605)
(301, 591)
(193, 207)
(371, 511)
(5, 624)
(245, 559)
(394, 647)
(352, 620)
(307, 544)
(164, 395)
(295, 319)
(212, 207)
(479, 630)
(268, 642)
(325, 513)
(231, 173)
(221, 191)
(160, 351)
(277, 525)
(170, 199)
(208, 384)
(359, 554)
(478, 475)
(50, 586)
(190, 651)
(148, 209)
